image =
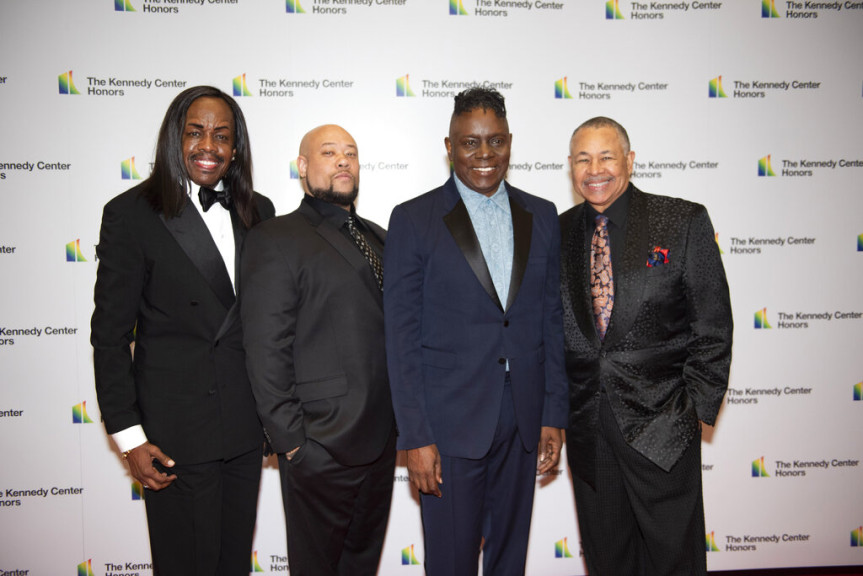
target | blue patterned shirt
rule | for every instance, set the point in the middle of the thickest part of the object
(492, 222)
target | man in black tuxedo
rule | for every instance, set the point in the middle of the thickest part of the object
(168, 346)
(314, 333)
(648, 349)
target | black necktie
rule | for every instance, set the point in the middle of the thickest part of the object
(367, 250)
(208, 197)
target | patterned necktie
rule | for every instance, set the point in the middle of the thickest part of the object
(601, 279)
(208, 197)
(368, 252)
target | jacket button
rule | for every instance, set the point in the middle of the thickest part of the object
(506, 323)
(211, 391)
(193, 303)
(501, 360)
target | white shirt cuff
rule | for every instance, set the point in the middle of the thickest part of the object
(129, 438)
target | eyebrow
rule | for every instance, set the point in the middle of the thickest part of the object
(198, 125)
(336, 144)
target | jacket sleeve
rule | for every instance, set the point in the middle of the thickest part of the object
(403, 311)
(556, 407)
(268, 308)
(120, 282)
(711, 325)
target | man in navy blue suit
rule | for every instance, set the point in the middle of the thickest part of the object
(474, 341)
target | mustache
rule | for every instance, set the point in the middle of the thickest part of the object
(218, 157)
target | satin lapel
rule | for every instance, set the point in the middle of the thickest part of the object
(630, 275)
(459, 225)
(239, 238)
(522, 228)
(578, 250)
(190, 232)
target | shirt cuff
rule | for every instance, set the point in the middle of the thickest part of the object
(129, 438)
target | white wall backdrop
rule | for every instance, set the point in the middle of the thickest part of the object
(709, 91)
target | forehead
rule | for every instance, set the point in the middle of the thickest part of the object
(603, 138)
(332, 136)
(478, 121)
(212, 109)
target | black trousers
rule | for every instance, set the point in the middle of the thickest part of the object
(336, 515)
(203, 523)
(640, 520)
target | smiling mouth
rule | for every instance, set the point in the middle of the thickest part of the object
(486, 169)
(206, 163)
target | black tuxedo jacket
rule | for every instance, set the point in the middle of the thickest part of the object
(163, 284)
(665, 359)
(314, 335)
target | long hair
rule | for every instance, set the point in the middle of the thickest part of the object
(167, 188)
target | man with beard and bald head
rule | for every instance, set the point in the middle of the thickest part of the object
(313, 312)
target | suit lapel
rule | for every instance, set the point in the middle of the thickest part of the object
(522, 228)
(579, 285)
(345, 247)
(630, 271)
(459, 225)
(190, 232)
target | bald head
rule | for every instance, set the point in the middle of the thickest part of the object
(329, 166)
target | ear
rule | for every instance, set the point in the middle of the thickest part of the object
(630, 159)
(302, 166)
(448, 145)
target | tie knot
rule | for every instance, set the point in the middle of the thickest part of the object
(601, 221)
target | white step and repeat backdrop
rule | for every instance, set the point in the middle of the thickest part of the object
(752, 108)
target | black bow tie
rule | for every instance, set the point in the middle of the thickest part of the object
(208, 197)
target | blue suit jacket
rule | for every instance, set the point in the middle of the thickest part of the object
(448, 336)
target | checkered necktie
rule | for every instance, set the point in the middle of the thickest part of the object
(372, 257)
(601, 279)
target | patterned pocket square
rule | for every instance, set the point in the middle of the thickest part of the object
(657, 257)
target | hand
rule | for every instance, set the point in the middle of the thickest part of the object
(140, 461)
(550, 443)
(424, 469)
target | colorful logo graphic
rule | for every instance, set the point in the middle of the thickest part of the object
(123, 6)
(128, 171)
(714, 88)
(764, 167)
(403, 87)
(758, 469)
(73, 252)
(67, 85)
(860, 243)
(79, 414)
(857, 537)
(408, 556)
(716, 237)
(137, 490)
(85, 568)
(612, 10)
(710, 543)
(761, 320)
(561, 549)
(295, 172)
(255, 566)
(858, 392)
(561, 90)
(240, 88)
(768, 9)
(456, 8)
(293, 7)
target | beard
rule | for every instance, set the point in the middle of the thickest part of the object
(331, 196)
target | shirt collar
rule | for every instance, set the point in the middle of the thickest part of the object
(616, 213)
(473, 200)
(335, 215)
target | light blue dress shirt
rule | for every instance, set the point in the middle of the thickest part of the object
(492, 221)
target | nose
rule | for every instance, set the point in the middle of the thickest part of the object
(343, 161)
(207, 142)
(485, 150)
